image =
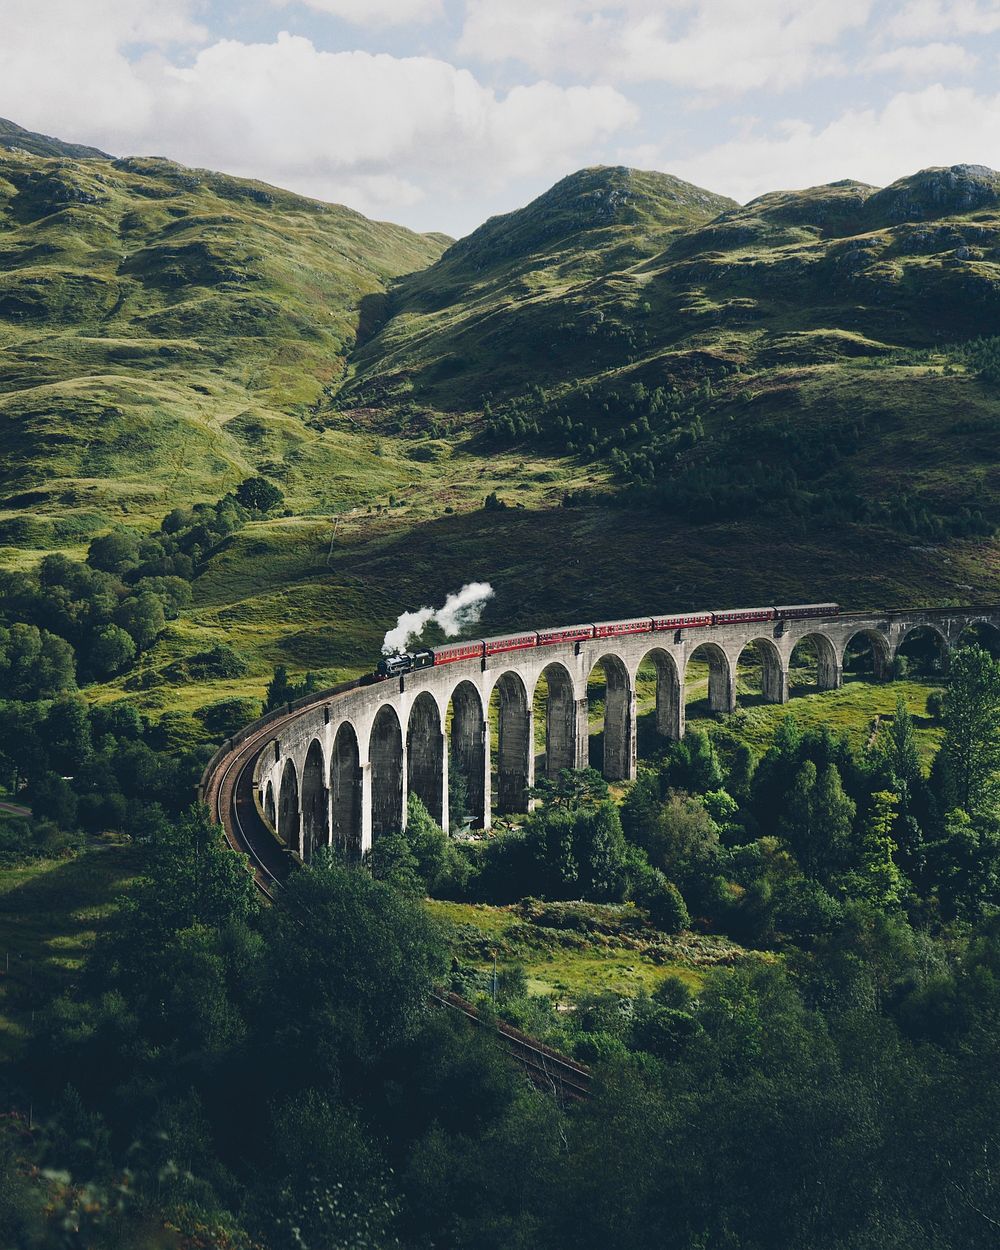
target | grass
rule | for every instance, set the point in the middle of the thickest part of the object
(624, 957)
(51, 909)
(853, 710)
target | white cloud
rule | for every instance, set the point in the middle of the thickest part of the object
(376, 131)
(923, 60)
(702, 45)
(936, 126)
(63, 64)
(925, 19)
(377, 12)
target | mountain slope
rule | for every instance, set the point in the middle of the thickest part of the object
(164, 331)
(913, 265)
(804, 351)
(486, 316)
(18, 139)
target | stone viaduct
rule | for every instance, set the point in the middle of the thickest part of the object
(339, 770)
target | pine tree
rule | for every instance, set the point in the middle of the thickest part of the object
(896, 748)
(971, 714)
(880, 880)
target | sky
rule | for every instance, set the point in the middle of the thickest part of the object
(440, 113)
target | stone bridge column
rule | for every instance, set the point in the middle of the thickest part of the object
(619, 731)
(774, 679)
(722, 683)
(581, 733)
(485, 770)
(515, 750)
(366, 807)
(444, 780)
(669, 700)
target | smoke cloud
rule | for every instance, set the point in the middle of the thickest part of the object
(461, 608)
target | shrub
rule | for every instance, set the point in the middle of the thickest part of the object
(661, 899)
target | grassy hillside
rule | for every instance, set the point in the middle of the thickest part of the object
(512, 304)
(164, 331)
(691, 403)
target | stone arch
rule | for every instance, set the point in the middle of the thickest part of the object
(880, 651)
(467, 759)
(721, 679)
(315, 802)
(828, 671)
(562, 749)
(617, 756)
(774, 674)
(926, 632)
(385, 750)
(270, 813)
(514, 753)
(669, 700)
(346, 791)
(425, 755)
(289, 820)
(980, 632)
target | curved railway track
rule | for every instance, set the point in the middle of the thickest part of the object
(227, 790)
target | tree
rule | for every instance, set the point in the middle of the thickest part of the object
(114, 552)
(662, 899)
(112, 652)
(818, 820)
(193, 879)
(434, 855)
(896, 747)
(879, 879)
(141, 616)
(685, 843)
(350, 964)
(573, 788)
(694, 764)
(67, 735)
(257, 494)
(971, 715)
(34, 664)
(279, 689)
(52, 798)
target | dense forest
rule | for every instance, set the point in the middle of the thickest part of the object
(273, 1075)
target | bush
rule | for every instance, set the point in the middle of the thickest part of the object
(661, 899)
(112, 652)
(259, 495)
(228, 716)
(114, 552)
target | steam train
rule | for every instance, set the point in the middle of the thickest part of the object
(406, 662)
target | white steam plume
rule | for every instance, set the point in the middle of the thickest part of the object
(461, 608)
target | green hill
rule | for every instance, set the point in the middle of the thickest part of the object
(809, 351)
(166, 330)
(680, 400)
(517, 301)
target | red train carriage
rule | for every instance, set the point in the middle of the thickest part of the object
(801, 611)
(458, 651)
(611, 629)
(516, 642)
(737, 615)
(567, 633)
(688, 620)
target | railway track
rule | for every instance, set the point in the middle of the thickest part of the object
(227, 790)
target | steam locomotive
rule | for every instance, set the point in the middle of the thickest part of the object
(406, 662)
